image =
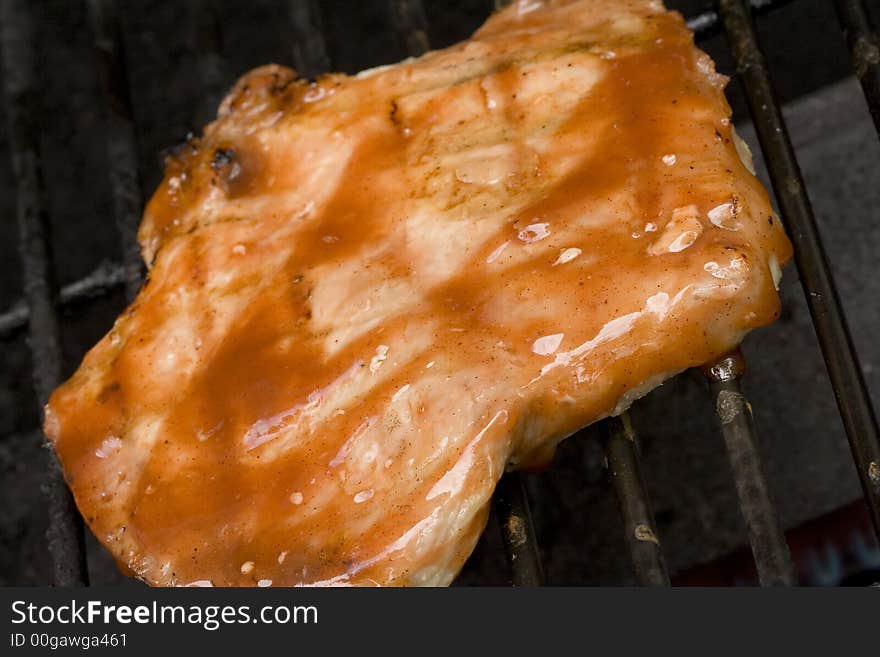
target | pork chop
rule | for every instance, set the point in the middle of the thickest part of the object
(368, 296)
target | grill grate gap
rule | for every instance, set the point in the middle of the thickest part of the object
(409, 20)
(208, 41)
(310, 56)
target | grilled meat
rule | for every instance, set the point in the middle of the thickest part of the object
(370, 295)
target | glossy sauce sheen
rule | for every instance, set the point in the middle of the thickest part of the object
(369, 295)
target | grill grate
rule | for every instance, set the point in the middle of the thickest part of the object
(622, 452)
(511, 503)
(121, 146)
(841, 360)
(65, 535)
(38, 310)
(772, 556)
(865, 50)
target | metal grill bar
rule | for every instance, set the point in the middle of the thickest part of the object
(105, 278)
(121, 143)
(704, 24)
(815, 273)
(864, 48)
(772, 556)
(65, 532)
(310, 56)
(512, 506)
(622, 452)
(708, 23)
(410, 22)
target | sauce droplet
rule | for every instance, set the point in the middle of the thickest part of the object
(567, 255)
(363, 496)
(548, 344)
(534, 232)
